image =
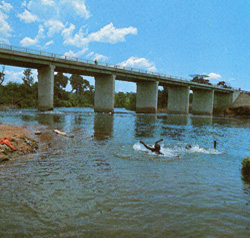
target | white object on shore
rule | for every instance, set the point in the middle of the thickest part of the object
(60, 132)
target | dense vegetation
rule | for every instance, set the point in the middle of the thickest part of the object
(203, 79)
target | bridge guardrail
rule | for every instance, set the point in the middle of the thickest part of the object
(76, 59)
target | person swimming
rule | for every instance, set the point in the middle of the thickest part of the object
(156, 149)
(188, 146)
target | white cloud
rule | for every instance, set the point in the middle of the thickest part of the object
(136, 62)
(70, 53)
(214, 76)
(27, 17)
(55, 9)
(27, 41)
(54, 26)
(110, 34)
(29, 4)
(77, 40)
(6, 7)
(49, 43)
(90, 54)
(24, 4)
(50, 3)
(13, 76)
(40, 32)
(81, 9)
(107, 34)
(5, 28)
(67, 33)
(98, 57)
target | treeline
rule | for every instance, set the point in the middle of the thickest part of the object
(25, 94)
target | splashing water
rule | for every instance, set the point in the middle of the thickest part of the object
(167, 152)
(197, 149)
(177, 150)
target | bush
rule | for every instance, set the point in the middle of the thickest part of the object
(245, 170)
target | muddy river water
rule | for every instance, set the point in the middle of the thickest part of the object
(104, 183)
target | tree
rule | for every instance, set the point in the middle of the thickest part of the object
(2, 76)
(60, 81)
(120, 99)
(28, 78)
(131, 101)
(79, 84)
(223, 84)
(200, 78)
(61, 97)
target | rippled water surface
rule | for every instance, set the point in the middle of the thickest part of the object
(104, 183)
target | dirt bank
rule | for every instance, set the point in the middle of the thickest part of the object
(236, 111)
(15, 141)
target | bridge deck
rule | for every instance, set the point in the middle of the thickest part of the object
(28, 58)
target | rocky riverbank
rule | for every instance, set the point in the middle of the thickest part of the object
(15, 141)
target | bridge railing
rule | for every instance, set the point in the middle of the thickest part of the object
(76, 59)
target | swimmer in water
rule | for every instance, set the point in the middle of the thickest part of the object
(156, 147)
(190, 146)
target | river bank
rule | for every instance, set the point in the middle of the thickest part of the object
(236, 111)
(15, 141)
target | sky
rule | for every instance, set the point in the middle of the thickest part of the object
(174, 37)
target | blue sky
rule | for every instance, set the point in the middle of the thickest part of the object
(175, 37)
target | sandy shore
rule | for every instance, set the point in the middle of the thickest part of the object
(9, 131)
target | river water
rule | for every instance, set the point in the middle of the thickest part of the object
(104, 183)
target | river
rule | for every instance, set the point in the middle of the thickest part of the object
(104, 183)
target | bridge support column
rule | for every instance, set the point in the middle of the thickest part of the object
(104, 93)
(46, 88)
(222, 100)
(203, 101)
(146, 97)
(178, 99)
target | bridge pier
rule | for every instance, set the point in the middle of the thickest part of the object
(178, 99)
(222, 100)
(146, 97)
(203, 101)
(104, 93)
(46, 88)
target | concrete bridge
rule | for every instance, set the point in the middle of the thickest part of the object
(205, 97)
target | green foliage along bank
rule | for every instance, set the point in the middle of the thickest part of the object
(25, 94)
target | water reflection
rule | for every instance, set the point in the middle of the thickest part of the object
(145, 125)
(179, 120)
(173, 133)
(78, 119)
(201, 121)
(103, 126)
(28, 118)
(50, 119)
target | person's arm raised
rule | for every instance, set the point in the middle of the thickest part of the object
(149, 148)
